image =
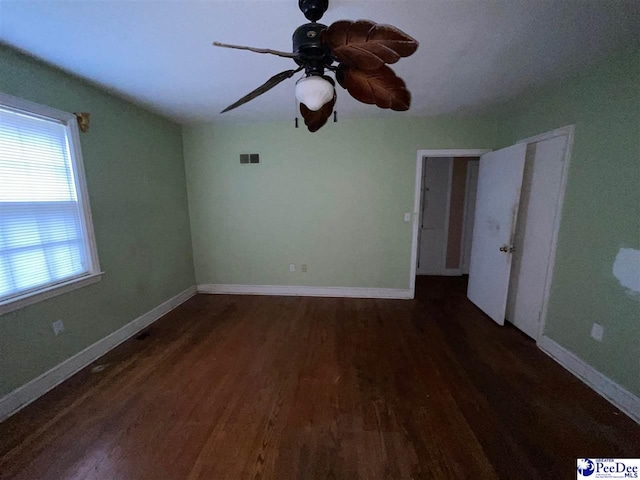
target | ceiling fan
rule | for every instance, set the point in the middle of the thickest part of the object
(361, 49)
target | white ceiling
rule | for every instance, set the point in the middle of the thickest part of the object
(159, 54)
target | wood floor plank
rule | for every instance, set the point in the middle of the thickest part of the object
(242, 387)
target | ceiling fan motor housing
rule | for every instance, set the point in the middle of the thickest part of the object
(310, 52)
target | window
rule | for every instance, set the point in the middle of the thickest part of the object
(47, 245)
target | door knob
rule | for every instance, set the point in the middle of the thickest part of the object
(504, 248)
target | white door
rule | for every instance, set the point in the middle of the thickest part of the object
(469, 214)
(497, 200)
(534, 233)
(436, 183)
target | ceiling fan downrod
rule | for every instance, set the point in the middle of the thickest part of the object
(313, 9)
(310, 52)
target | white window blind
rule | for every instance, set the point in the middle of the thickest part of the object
(43, 238)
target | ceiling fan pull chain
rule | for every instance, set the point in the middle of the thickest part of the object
(295, 111)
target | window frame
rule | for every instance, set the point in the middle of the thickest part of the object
(93, 274)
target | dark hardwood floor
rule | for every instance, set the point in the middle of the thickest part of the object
(239, 387)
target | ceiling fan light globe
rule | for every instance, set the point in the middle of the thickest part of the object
(314, 91)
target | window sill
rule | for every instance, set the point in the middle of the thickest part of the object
(30, 298)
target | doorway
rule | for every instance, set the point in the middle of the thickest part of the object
(437, 175)
(446, 214)
(442, 212)
(518, 205)
(471, 187)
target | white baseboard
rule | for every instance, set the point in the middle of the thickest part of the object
(616, 394)
(447, 272)
(301, 291)
(452, 272)
(24, 395)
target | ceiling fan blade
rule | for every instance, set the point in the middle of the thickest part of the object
(367, 45)
(316, 120)
(381, 87)
(265, 87)
(256, 50)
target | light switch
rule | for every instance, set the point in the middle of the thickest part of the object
(407, 217)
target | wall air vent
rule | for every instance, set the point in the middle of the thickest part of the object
(249, 158)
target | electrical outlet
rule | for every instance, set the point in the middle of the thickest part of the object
(597, 331)
(58, 327)
(407, 217)
(303, 268)
(292, 267)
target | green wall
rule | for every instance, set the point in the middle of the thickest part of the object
(136, 181)
(601, 210)
(333, 200)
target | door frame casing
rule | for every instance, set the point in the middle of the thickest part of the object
(569, 131)
(417, 198)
